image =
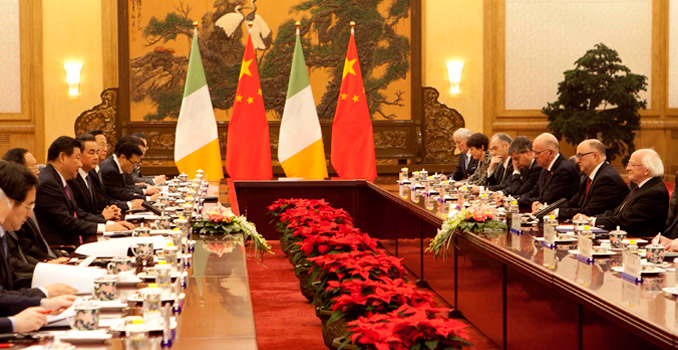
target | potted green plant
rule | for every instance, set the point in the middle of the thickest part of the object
(599, 99)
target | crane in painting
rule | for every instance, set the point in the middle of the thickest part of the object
(261, 32)
(231, 21)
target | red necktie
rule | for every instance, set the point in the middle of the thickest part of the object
(68, 194)
(588, 186)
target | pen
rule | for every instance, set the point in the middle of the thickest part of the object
(6, 345)
(44, 312)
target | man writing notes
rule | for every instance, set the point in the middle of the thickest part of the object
(600, 188)
(558, 179)
(643, 211)
(58, 215)
(467, 165)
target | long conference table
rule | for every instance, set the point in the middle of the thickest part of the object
(519, 294)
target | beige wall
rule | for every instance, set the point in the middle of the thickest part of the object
(71, 31)
(453, 30)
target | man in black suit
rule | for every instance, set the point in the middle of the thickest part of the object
(466, 165)
(525, 173)
(115, 173)
(136, 173)
(501, 167)
(643, 211)
(18, 184)
(558, 179)
(83, 187)
(600, 188)
(60, 219)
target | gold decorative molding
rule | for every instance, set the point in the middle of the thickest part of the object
(161, 140)
(101, 116)
(503, 126)
(17, 129)
(439, 124)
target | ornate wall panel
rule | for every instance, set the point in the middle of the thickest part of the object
(440, 122)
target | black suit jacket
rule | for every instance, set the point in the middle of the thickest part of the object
(86, 200)
(561, 182)
(607, 191)
(501, 177)
(643, 214)
(7, 279)
(523, 182)
(463, 170)
(32, 242)
(12, 304)
(116, 184)
(54, 211)
(100, 193)
(673, 204)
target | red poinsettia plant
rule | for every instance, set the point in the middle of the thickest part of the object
(360, 297)
(362, 265)
(408, 327)
(345, 240)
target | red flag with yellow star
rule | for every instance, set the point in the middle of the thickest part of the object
(248, 149)
(352, 139)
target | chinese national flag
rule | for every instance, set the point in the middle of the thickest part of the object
(248, 150)
(352, 139)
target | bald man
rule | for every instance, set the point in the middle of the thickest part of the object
(600, 188)
(643, 212)
(558, 179)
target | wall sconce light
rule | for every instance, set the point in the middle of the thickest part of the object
(73, 77)
(454, 75)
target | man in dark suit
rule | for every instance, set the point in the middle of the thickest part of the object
(558, 179)
(643, 211)
(466, 165)
(501, 167)
(18, 184)
(600, 188)
(115, 171)
(83, 188)
(60, 219)
(136, 173)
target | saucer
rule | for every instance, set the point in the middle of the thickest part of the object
(605, 253)
(115, 304)
(118, 325)
(653, 271)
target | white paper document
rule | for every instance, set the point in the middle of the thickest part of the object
(80, 278)
(118, 246)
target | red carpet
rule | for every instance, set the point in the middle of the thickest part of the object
(282, 316)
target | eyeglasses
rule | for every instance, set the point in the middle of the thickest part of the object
(635, 164)
(582, 155)
(27, 206)
(540, 152)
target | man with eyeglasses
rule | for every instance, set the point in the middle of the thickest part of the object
(600, 188)
(643, 211)
(558, 179)
(20, 313)
(115, 173)
(23, 157)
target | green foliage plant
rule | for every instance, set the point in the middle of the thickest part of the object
(599, 99)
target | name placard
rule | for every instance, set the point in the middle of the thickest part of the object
(632, 266)
(585, 247)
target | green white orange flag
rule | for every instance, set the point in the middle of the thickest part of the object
(248, 150)
(352, 139)
(300, 148)
(196, 139)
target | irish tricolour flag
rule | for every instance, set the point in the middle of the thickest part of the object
(197, 143)
(300, 148)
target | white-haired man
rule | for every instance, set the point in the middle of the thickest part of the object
(466, 165)
(643, 212)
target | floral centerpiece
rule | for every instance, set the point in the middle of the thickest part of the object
(475, 219)
(408, 327)
(220, 220)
